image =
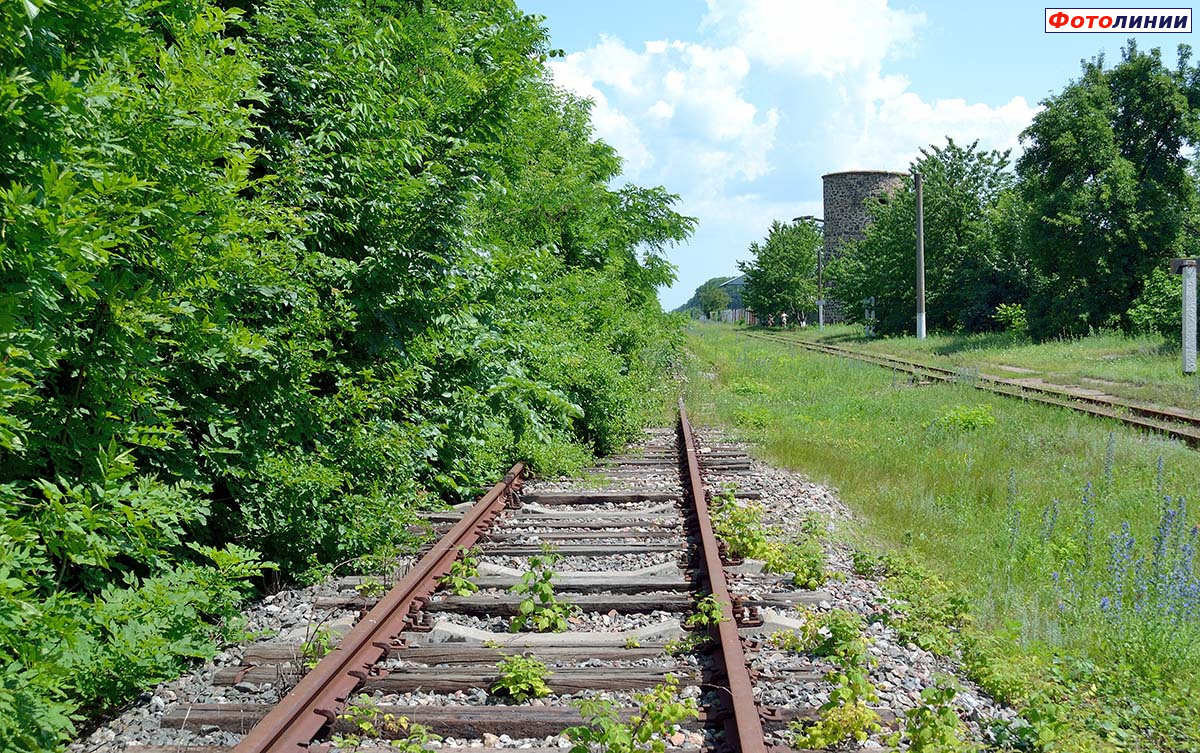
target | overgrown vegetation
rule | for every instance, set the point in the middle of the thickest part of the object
(1053, 564)
(659, 712)
(273, 283)
(740, 525)
(974, 258)
(782, 276)
(1133, 367)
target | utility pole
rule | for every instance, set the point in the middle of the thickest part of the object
(918, 181)
(820, 269)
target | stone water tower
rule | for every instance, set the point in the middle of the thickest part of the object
(847, 196)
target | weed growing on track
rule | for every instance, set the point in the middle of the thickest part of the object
(708, 613)
(458, 580)
(521, 678)
(983, 518)
(541, 610)
(836, 634)
(315, 648)
(740, 525)
(365, 716)
(660, 711)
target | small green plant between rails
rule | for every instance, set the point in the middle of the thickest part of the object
(708, 612)
(466, 567)
(540, 609)
(660, 711)
(740, 525)
(521, 678)
(364, 715)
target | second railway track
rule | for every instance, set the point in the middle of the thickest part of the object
(637, 551)
(1172, 422)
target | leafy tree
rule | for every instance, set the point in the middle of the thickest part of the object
(712, 298)
(284, 280)
(692, 305)
(782, 277)
(1106, 174)
(973, 257)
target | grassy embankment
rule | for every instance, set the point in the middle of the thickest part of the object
(1030, 509)
(1132, 367)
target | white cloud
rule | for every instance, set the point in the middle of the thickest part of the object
(880, 121)
(685, 99)
(815, 38)
(896, 126)
(661, 110)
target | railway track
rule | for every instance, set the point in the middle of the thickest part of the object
(1172, 422)
(638, 551)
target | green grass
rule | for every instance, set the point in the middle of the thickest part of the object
(969, 483)
(1144, 368)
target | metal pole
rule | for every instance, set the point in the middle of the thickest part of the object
(821, 285)
(918, 180)
(1189, 317)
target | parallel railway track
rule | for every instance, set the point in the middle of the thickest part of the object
(416, 639)
(1171, 422)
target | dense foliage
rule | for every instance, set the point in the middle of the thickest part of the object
(973, 259)
(1077, 239)
(1107, 173)
(782, 276)
(275, 280)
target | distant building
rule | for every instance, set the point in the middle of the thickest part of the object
(737, 309)
(847, 196)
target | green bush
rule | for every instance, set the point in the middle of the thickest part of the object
(964, 418)
(286, 279)
(1159, 308)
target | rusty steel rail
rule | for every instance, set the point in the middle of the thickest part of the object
(322, 694)
(743, 729)
(1172, 422)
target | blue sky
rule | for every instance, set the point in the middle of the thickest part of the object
(740, 106)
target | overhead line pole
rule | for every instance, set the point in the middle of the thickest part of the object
(918, 182)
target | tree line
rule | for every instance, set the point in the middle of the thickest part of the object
(1075, 237)
(277, 276)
